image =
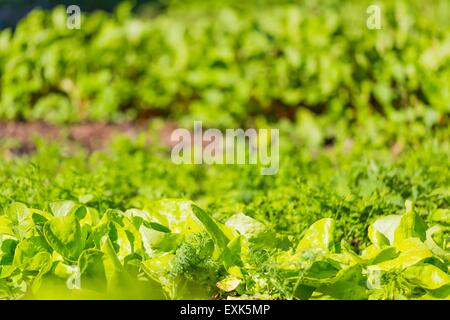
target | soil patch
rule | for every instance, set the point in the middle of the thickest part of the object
(92, 136)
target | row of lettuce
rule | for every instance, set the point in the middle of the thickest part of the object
(173, 249)
(204, 60)
(354, 174)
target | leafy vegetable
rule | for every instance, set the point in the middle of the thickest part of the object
(203, 261)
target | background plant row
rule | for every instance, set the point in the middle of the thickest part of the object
(236, 62)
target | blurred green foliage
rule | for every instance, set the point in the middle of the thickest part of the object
(381, 140)
(223, 62)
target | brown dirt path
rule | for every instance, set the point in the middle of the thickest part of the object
(92, 136)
